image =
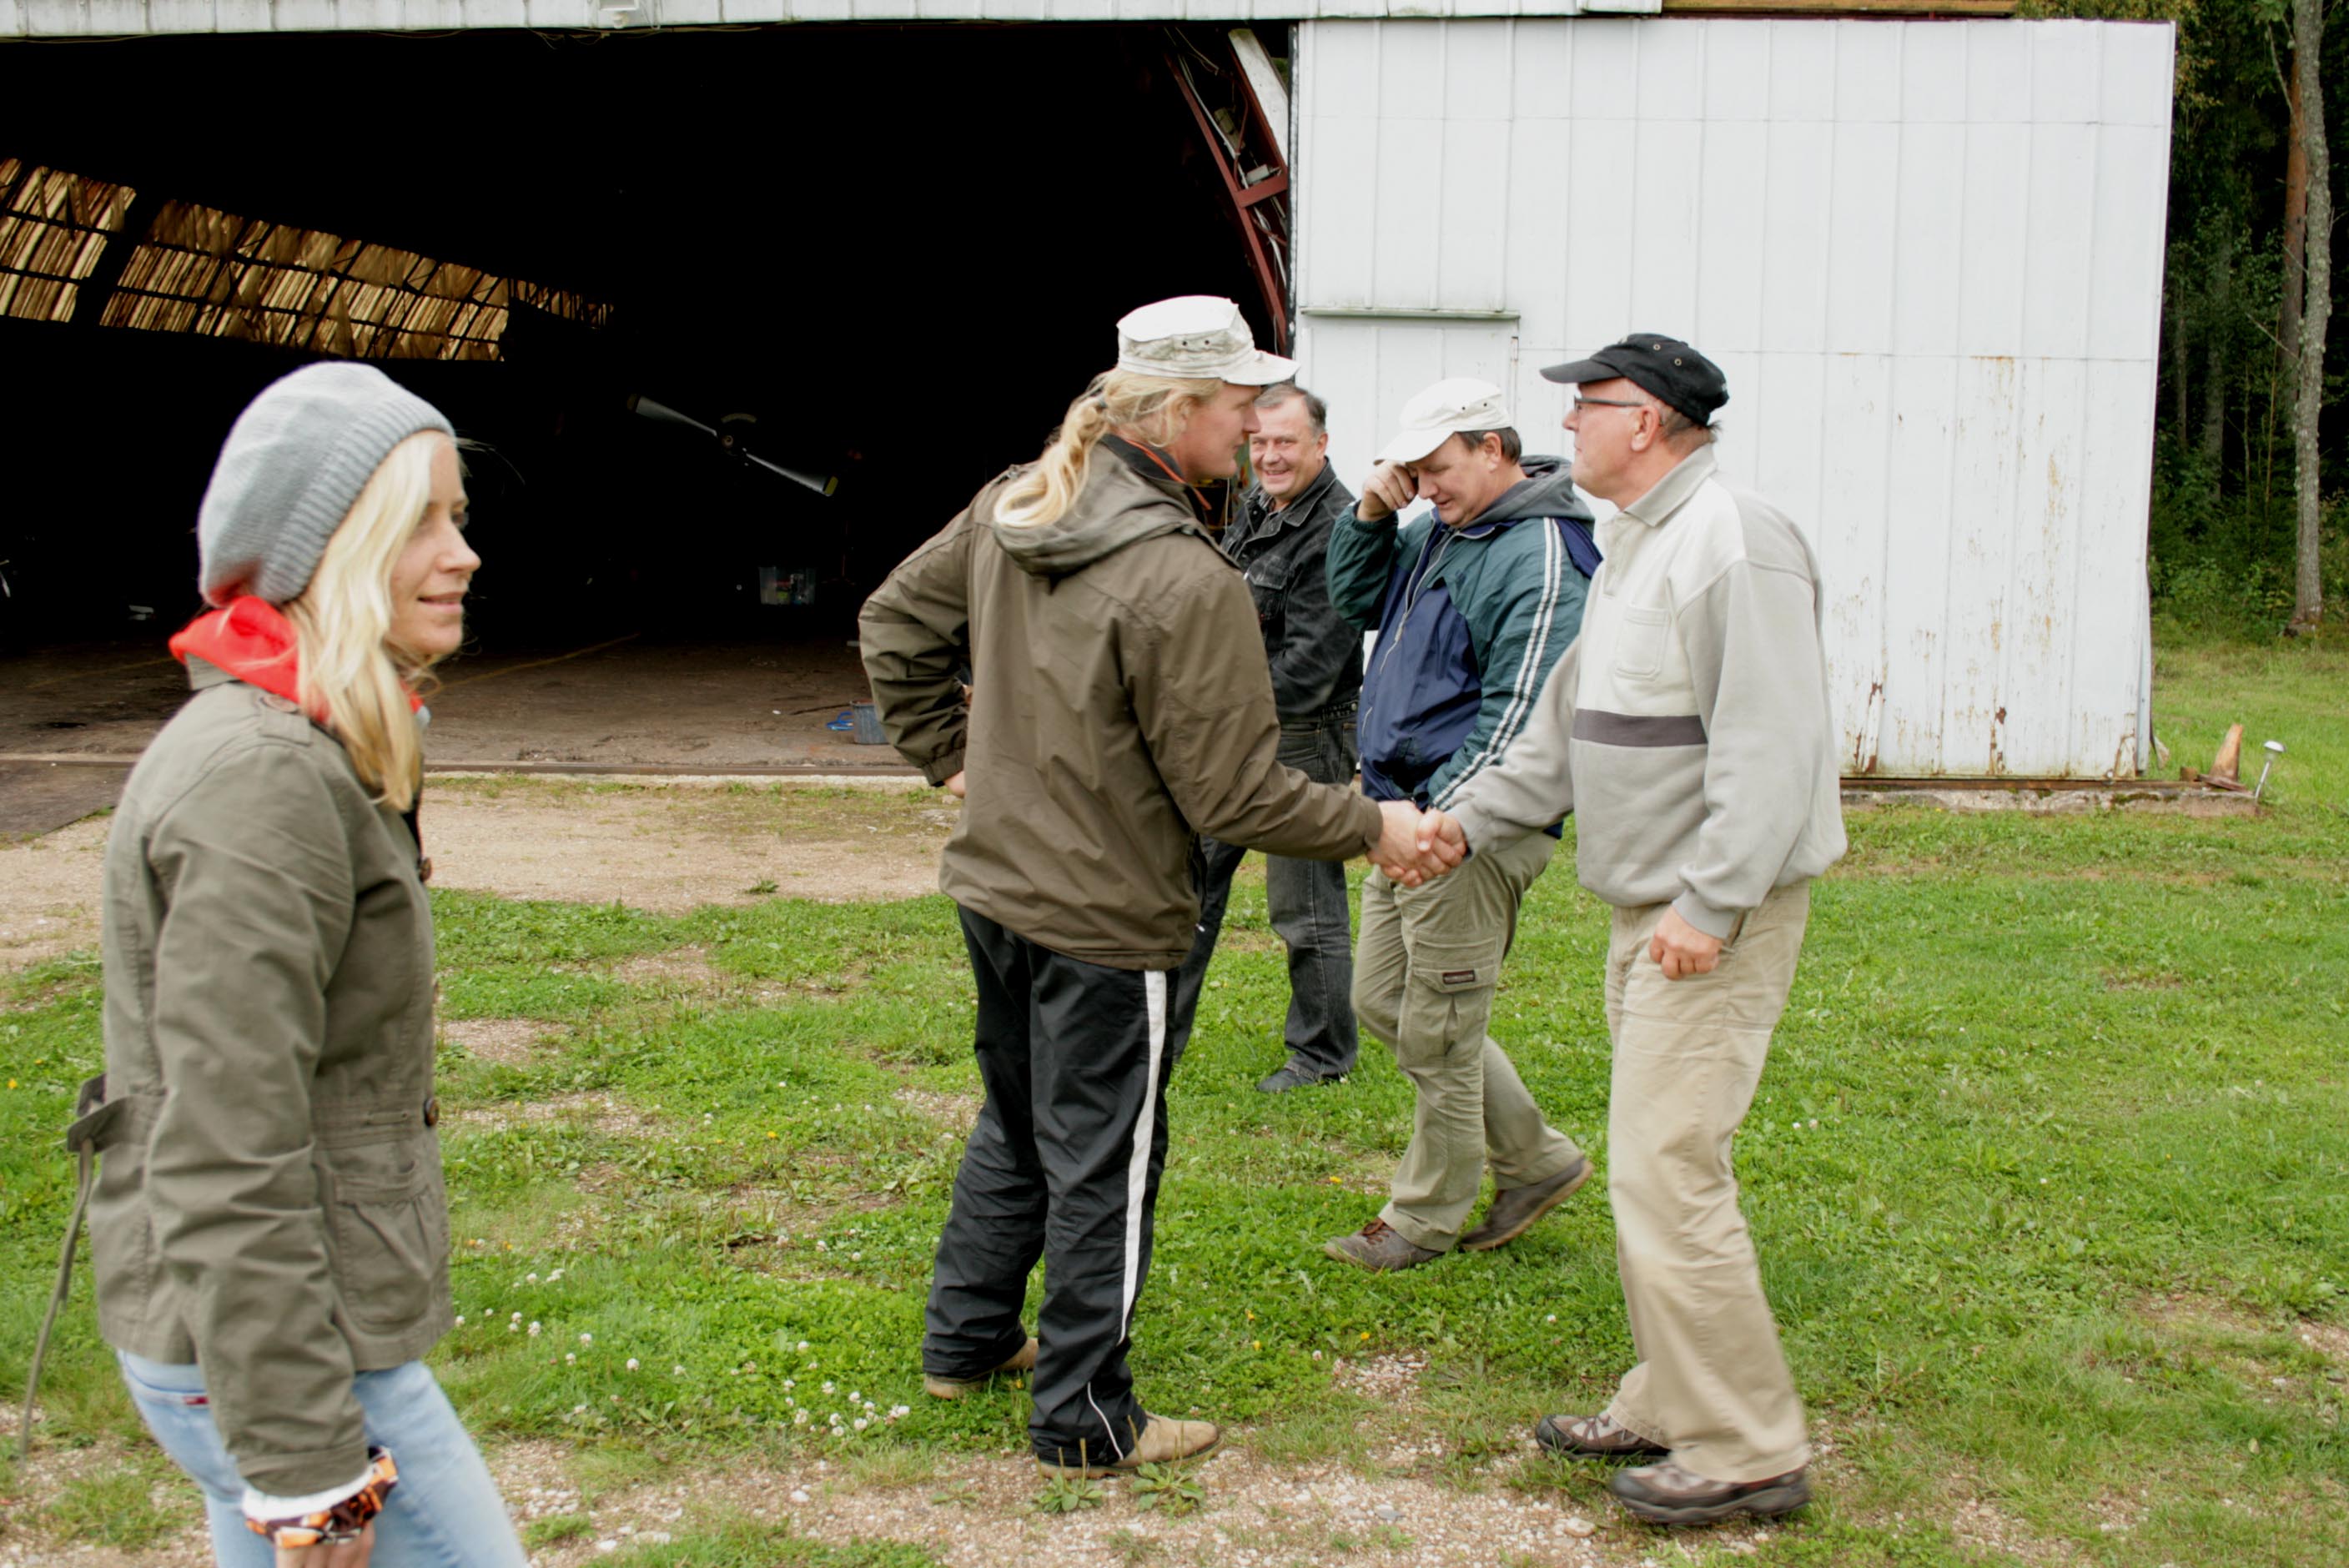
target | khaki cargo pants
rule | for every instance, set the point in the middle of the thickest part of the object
(1424, 969)
(1711, 1382)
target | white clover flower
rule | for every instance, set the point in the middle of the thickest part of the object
(569, 1359)
(897, 1410)
(859, 1423)
(533, 1331)
(461, 1320)
(514, 1328)
(676, 1371)
(531, 1279)
(517, 1317)
(821, 1246)
(631, 1363)
(854, 1396)
(829, 1386)
(857, 1257)
(790, 1383)
(804, 1346)
(586, 1340)
(799, 1418)
(555, 1276)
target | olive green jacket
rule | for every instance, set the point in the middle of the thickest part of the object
(1122, 707)
(269, 1200)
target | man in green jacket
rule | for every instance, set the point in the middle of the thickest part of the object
(1472, 604)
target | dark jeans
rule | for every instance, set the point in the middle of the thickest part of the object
(1062, 1164)
(1308, 903)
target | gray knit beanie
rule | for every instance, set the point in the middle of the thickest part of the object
(294, 463)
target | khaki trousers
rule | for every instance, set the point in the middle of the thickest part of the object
(1711, 1382)
(1424, 970)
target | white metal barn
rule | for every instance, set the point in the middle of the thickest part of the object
(1928, 254)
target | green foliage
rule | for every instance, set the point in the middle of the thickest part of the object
(555, 1529)
(1069, 1491)
(122, 1508)
(1170, 1489)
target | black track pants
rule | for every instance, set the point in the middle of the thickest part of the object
(1063, 1164)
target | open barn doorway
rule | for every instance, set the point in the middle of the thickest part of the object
(883, 257)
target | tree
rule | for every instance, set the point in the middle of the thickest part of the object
(2316, 311)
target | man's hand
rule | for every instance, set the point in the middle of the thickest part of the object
(1681, 949)
(1389, 490)
(1441, 842)
(1403, 854)
(953, 785)
(340, 1554)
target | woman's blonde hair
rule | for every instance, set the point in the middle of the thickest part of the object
(1154, 408)
(351, 676)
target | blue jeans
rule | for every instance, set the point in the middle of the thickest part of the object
(1307, 900)
(444, 1513)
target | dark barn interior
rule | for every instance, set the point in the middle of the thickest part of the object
(899, 251)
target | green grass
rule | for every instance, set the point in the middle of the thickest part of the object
(2048, 1173)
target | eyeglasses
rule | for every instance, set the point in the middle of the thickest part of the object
(1582, 403)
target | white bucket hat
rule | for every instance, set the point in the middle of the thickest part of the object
(1461, 405)
(1196, 337)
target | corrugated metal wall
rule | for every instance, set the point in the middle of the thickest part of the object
(1929, 256)
(87, 18)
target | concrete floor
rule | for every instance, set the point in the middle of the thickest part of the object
(616, 704)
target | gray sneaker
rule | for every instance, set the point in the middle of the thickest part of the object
(1380, 1248)
(1512, 1212)
(1291, 1077)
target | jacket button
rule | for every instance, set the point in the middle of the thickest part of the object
(432, 1111)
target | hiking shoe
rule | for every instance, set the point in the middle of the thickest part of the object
(1380, 1248)
(1513, 1210)
(1023, 1360)
(1667, 1494)
(1294, 1077)
(1595, 1438)
(1163, 1440)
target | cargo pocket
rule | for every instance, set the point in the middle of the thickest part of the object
(392, 1240)
(1449, 1000)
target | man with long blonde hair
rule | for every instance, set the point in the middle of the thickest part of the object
(1123, 709)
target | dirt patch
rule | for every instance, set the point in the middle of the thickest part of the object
(1985, 1525)
(672, 846)
(603, 1113)
(2329, 1340)
(48, 893)
(953, 1113)
(978, 1512)
(1392, 1380)
(511, 1042)
(665, 847)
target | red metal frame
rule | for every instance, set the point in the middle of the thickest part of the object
(1245, 197)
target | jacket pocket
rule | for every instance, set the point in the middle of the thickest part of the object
(391, 1239)
(1640, 642)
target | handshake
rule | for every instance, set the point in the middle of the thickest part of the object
(1416, 846)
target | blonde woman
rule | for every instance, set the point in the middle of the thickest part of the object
(1123, 709)
(269, 1226)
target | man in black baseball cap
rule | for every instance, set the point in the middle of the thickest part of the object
(1676, 375)
(1691, 730)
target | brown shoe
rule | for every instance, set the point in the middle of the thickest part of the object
(1595, 1438)
(1667, 1494)
(1163, 1440)
(1515, 1209)
(1380, 1248)
(1024, 1360)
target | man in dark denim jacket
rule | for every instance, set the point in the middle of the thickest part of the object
(1281, 540)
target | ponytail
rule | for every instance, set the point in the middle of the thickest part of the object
(1154, 408)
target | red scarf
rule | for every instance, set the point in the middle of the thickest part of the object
(251, 640)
